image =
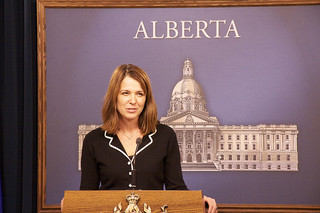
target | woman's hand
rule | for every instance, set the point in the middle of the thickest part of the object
(61, 204)
(211, 203)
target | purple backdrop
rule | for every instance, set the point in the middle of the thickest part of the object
(268, 76)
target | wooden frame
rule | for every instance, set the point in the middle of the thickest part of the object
(42, 121)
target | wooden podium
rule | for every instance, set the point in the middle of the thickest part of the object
(147, 201)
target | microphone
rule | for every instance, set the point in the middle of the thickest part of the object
(133, 172)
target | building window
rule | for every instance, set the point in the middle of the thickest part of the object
(279, 167)
(269, 157)
(208, 157)
(198, 135)
(246, 137)
(189, 135)
(238, 157)
(229, 137)
(287, 147)
(221, 157)
(246, 166)
(229, 166)
(230, 157)
(254, 137)
(289, 167)
(254, 157)
(287, 137)
(222, 166)
(199, 158)
(238, 166)
(230, 146)
(189, 158)
(221, 137)
(246, 146)
(238, 146)
(188, 105)
(268, 146)
(269, 166)
(221, 146)
(199, 146)
(254, 166)
(246, 157)
(278, 157)
(208, 145)
(208, 135)
(254, 146)
(288, 157)
(268, 137)
(278, 137)
(238, 137)
(278, 146)
(189, 145)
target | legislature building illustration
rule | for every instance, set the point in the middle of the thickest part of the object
(205, 145)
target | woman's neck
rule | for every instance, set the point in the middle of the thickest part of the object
(127, 133)
(129, 126)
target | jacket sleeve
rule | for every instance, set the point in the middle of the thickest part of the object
(172, 171)
(89, 170)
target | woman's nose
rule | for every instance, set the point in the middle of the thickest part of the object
(133, 99)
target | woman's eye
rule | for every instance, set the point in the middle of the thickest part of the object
(140, 94)
(125, 93)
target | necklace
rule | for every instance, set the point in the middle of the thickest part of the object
(127, 136)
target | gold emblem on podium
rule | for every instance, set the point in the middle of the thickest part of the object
(133, 199)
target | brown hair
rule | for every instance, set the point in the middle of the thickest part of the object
(110, 116)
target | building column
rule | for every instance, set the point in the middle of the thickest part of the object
(283, 142)
(194, 158)
(273, 142)
(294, 141)
(263, 145)
(205, 147)
(184, 147)
(215, 143)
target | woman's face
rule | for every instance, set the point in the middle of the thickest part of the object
(130, 100)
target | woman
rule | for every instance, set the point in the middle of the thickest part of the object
(110, 155)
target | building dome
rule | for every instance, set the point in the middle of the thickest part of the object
(187, 87)
(187, 94)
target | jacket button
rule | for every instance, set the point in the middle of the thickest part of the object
(130, 173)
(129, 162)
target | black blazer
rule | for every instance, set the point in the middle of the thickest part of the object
(105, 164)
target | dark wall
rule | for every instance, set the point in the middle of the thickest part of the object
(18, 105)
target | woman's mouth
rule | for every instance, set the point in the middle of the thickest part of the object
(131, 110)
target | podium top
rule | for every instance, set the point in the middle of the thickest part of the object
(145, 201)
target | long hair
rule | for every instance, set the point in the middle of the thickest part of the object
(148, 118)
